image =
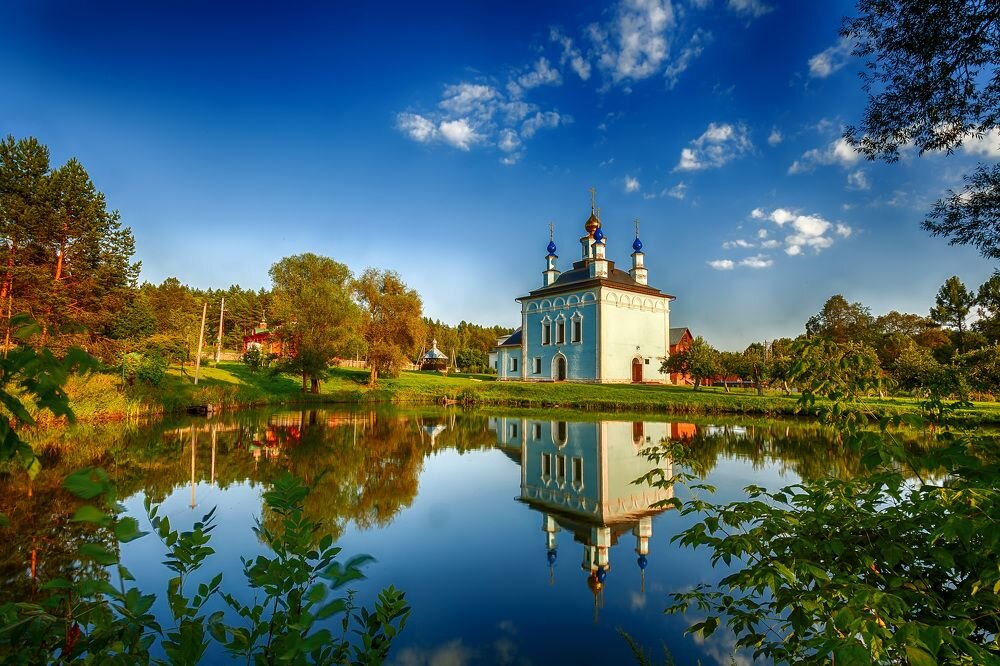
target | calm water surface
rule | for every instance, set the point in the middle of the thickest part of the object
(499, 528)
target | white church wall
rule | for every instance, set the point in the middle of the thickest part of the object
(633, 326)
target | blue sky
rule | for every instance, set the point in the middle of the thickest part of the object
(440, 139)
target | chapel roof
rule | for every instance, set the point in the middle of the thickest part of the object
(579, 277)
(513, 340)
(434, 353)
(676, 334)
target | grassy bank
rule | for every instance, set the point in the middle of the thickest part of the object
(100, 397)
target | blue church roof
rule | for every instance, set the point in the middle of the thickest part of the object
(514, 340)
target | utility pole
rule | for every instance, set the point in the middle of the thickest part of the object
(201, 341)
(218, 345)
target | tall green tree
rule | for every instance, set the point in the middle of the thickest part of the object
(393, 325)
(988, 302)
(842, 321)
(24, 210)
(700, 361)
(933, 81)
(317, 319)
(952, 306)
(69, 260)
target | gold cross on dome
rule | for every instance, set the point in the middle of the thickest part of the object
(593, 193)
(551, 231)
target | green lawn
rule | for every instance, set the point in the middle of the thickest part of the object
(100, 397)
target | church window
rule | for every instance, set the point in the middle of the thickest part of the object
(560, 331)
(561, 434)
(577, 473)
(577, 331)
(536, 431)
(513, 431)
(513, 364)
(561, 469)
(546, 466)
(546, 331)
(538, 365)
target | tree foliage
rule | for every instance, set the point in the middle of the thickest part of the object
(952, 306)
(393, 326)
(700, 361)
(841, 321)
(311, 298)
(888, 566)
(933, 81)
(68, 260)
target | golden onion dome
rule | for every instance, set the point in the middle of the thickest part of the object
(592, 223)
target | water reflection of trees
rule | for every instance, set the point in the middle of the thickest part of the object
(364, 467)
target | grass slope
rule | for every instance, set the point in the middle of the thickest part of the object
(99, 397)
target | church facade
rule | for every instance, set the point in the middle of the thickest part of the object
(593, 323)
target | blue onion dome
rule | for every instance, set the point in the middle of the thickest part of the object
(602, 574)
(642, 562)
(552, 247)
(637, 244)
(551, 556)
(598, 235)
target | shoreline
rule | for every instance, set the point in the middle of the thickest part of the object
(99, 398)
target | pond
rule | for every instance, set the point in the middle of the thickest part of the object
(517, 538)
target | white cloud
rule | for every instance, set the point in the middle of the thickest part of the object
(475, 114)
(758, 261)
(722, 264)
(571, 54)
(468, 98)
(416, 127)
(541, 120)
(829, 60)
(719, 144)
(509, 141)
(693, 49)
(458, 133)
(838, 152)
(761, 233)
(631, 184)
(770, 244)
(802, 231)
(678, 191)
(751, 8)
(542, 74)
(738, 243)
(635, 44)
(986, 146)
(858, 180)
(775, 137)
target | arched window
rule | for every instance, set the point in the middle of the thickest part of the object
(576, 329)
(561, 330)
(560, 434)
(546, 331)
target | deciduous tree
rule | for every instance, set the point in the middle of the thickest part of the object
(700, 361)
(933, 81)
(311, 299)
(393, 326)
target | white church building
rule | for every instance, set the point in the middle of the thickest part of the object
(593, 323)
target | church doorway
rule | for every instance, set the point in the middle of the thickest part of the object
(560, 369)
(637, 371)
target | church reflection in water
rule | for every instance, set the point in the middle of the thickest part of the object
(580, 477)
